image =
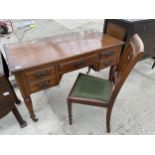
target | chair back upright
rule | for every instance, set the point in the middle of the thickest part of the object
(118, 74)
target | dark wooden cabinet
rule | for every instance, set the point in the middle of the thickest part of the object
(125, 29)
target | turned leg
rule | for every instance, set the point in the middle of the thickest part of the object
(70, 112)
(29, 105)
(19, 118)
(108, 116)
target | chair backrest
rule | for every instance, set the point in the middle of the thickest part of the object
(132, 54)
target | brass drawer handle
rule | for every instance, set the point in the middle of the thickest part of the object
(43, 85)
(108, 54)
(41, 74)
(79, 63)
(107, 63)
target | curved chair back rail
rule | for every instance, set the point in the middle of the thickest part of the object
(118, 74)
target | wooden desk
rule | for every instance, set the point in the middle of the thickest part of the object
(40, 64)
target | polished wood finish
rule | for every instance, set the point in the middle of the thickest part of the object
(8, 98)
(40, 64)
(55, 49)
(118, 75)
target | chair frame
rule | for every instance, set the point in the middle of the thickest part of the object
(117, 75)
(6, 73)
(9, 102)
(9, 105)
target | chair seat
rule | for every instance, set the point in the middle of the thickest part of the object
(90, 87)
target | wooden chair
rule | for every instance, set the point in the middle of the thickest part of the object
(8, 97)
(6, 74)
(94, 91)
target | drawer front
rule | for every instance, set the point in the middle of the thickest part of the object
(42, 84)
(111, 54)
(40, 73)
(145, 28)
(41, 78)
(106, 63)
(77, 63)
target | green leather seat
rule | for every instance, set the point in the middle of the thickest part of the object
(92, 88)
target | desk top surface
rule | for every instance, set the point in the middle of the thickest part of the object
(38, 52)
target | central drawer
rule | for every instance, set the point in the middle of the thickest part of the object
(77, 63)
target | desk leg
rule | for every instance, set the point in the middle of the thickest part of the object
(29, 105)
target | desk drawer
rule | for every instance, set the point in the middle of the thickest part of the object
(77, 63)
(40, 73)
(41, 78)
(42, 84)
(106, 63)
(108, 55)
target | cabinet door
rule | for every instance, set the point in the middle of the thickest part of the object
(145, 29)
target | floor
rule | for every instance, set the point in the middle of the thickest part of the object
(134, 110)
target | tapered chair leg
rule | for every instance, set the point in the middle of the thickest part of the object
(70, 112)
(153, 65)
(19, 118)
(108, 117)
